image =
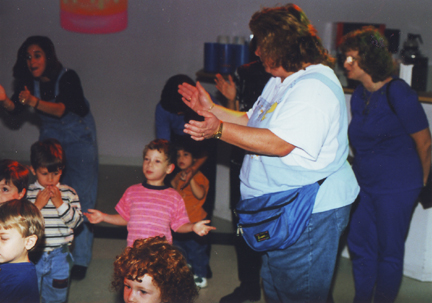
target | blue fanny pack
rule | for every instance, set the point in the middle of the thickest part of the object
(276, 220)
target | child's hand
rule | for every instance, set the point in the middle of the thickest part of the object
(94, 216)
(42, 198)
(201, 229)
(186, 176)
(55, 196)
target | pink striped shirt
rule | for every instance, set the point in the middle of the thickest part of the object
(151, 211)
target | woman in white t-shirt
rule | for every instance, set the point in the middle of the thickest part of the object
(295, 135)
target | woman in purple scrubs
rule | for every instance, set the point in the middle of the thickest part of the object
(391, 140)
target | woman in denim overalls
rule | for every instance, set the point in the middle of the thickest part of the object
(41, 82)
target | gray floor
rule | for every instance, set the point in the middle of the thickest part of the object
(110, 242)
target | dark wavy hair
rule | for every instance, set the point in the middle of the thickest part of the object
(21, 73)
(161, 261)
(286, 38)
(12, 171)
(171, 100)
(374, 57)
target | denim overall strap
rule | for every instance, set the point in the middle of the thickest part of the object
(48, 119)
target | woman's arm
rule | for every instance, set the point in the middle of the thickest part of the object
(256, 140)
(234, 129)
(422, 140)
(5, 102)
(198, 99)
(54, 109)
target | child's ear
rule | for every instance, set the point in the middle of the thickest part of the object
(22, 194)
(33, 170)
(170, 168)
(30, 241)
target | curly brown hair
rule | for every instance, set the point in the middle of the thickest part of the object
(374, 57)
(163, 262)
(286, 38)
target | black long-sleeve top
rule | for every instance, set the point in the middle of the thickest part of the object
(70, 94)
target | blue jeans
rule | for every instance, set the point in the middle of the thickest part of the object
(303, 272)
(376, 239)
(53, 270)
(194, 249)
(78, 139)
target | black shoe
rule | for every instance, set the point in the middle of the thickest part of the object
(209, 272)
(78, 272)
(241, 294)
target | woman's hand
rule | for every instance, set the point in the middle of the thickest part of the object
(200, 130)
(227, 89)
(25, 97)
(52, 108)
(196, 97)
(5, 101)
(3, 95)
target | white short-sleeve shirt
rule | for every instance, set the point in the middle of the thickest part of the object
(307, 114)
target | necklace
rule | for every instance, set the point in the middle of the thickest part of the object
(367, 97)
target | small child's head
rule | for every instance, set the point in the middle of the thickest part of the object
(152, 270)
(158, 161)
(171, 100)
(186, 156)
(21, 227)
(47, 161)
(14, 179)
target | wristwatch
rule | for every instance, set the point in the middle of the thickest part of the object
(218, 134)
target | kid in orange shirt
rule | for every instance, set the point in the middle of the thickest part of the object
(194, 195)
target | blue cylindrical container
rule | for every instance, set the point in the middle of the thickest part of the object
(211, 57)
(226, 58)
(241, 55)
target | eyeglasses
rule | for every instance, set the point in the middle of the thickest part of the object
(350, 60)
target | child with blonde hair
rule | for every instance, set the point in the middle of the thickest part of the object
(21, 228)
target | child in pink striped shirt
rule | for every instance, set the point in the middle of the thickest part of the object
(151, 208)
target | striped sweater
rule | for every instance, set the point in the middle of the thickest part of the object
(59, 222)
